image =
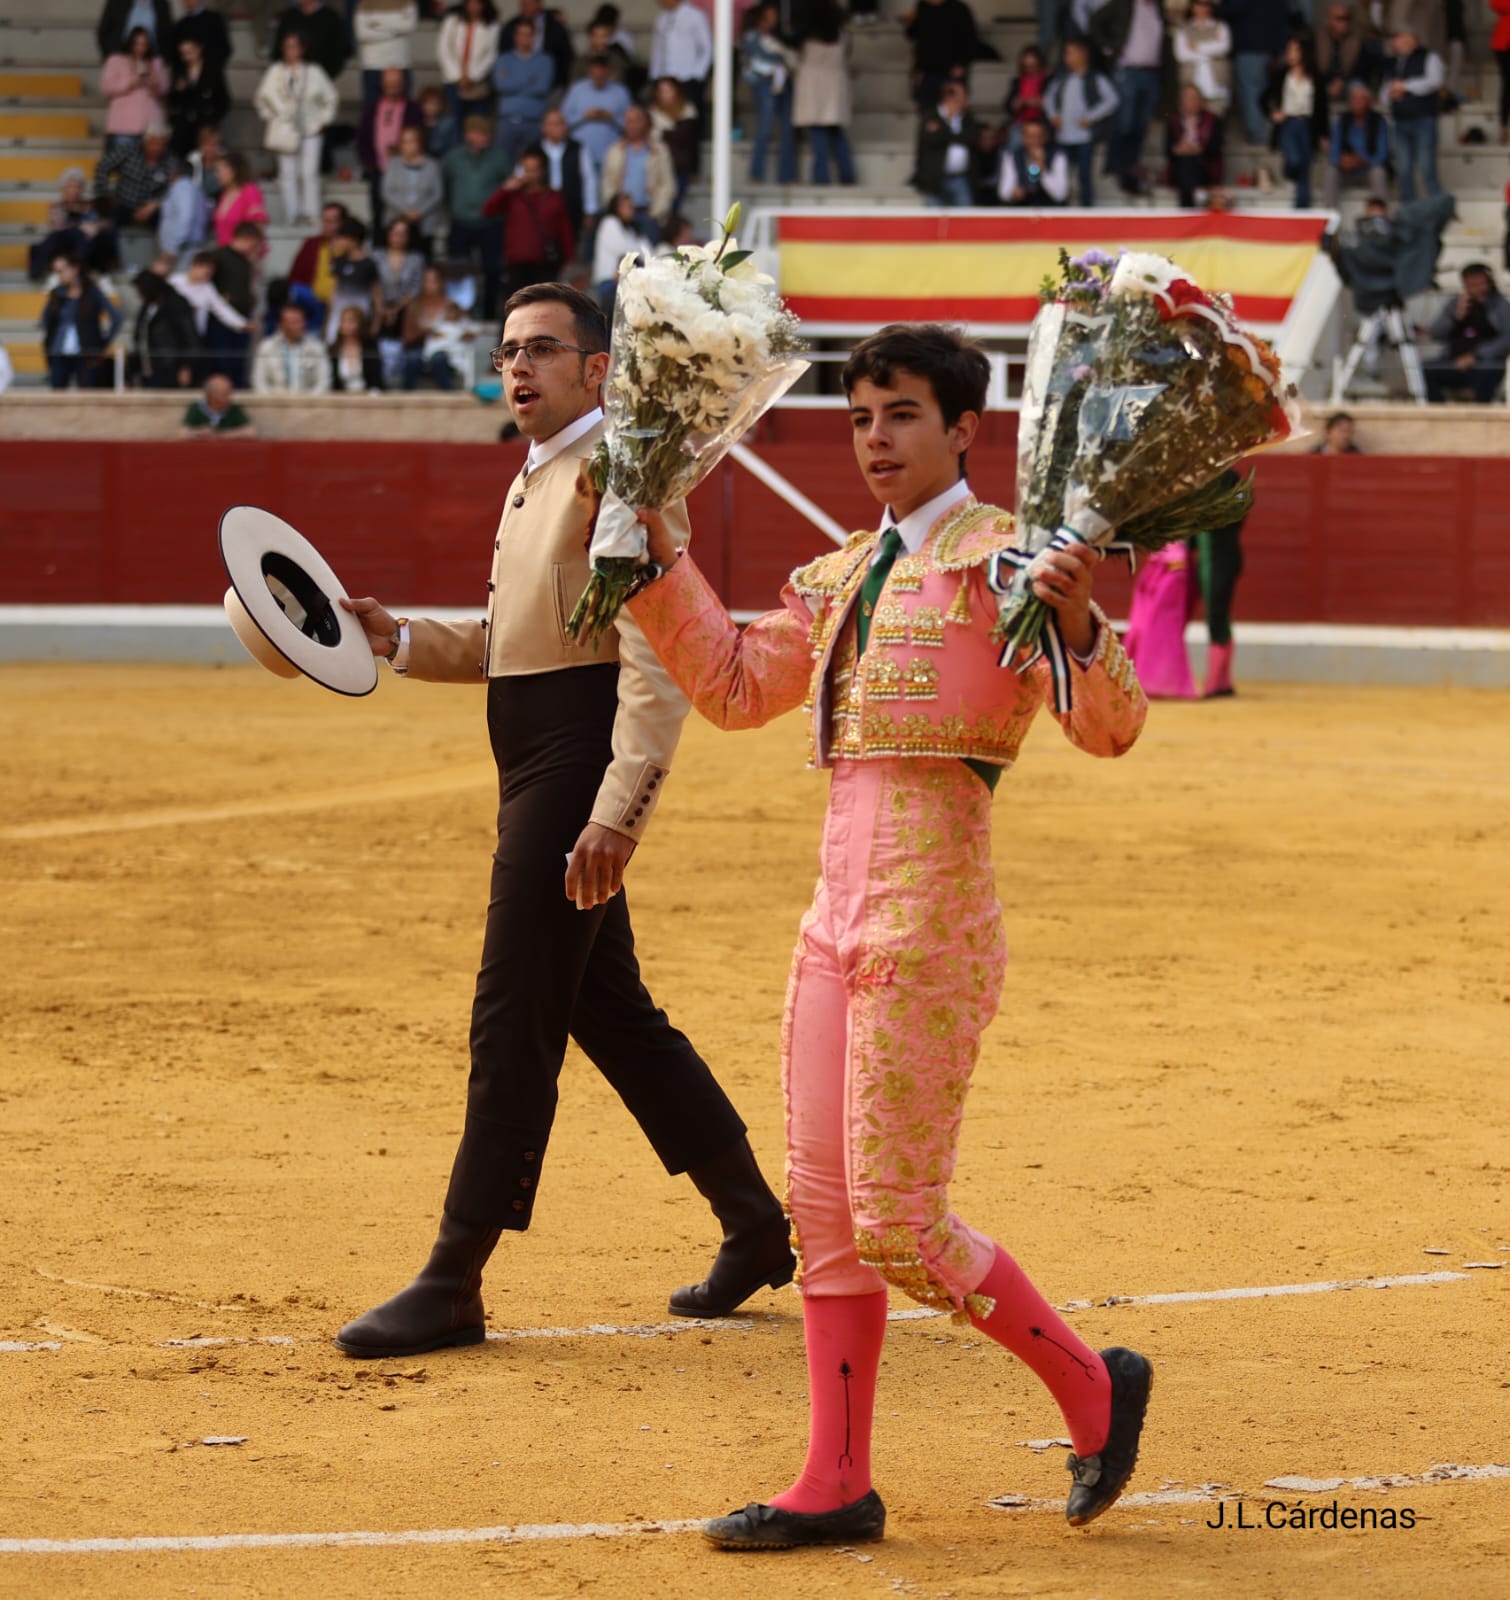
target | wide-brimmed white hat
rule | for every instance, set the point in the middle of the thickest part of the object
(282, 604)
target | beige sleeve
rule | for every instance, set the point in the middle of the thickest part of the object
(648, 725)
(447, 652)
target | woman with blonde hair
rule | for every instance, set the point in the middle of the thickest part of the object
(297, 102)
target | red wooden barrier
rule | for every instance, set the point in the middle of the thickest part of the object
(1360, 539)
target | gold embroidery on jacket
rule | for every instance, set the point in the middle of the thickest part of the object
(907, 574)
(883, 678)
(889, 625)
(920, 681)
(928, 628)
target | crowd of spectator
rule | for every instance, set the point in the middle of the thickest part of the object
(544, 153)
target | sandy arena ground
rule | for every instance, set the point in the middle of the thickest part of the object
(1254, 1034)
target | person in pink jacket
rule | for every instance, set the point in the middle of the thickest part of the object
(135, 83)
(886, 645)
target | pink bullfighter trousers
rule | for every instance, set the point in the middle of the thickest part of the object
(898, 969)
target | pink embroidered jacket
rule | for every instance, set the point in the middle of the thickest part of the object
(929, 683)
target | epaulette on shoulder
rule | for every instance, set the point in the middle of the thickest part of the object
(829, 574)
(972, 535)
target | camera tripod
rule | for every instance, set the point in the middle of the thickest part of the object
(1385, 322)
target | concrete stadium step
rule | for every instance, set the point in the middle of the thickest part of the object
(24, 210)
(40, 85)
(20, 305)
(48, 125)
(28, 362)
(45, 169)
(13, 258)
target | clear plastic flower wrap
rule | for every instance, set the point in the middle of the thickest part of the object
(701, 348)
(1141, 391)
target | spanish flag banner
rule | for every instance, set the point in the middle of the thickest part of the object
(985, 268)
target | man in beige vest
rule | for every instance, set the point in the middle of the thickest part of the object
(583, 740)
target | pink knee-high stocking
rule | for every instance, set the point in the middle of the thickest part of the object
(1027, 1325)
(844, 1334)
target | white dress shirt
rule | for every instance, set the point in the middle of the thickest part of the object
(683, 44)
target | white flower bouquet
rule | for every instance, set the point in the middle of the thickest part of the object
(701, 348)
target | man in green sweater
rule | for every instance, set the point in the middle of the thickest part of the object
(473, 170)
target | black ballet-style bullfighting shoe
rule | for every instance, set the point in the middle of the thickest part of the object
(761, 1527)
(1101, 1478)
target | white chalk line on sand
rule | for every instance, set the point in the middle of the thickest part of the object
(655, 1330)
(524, 1533)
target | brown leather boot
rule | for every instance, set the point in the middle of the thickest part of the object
(756, 1252)
(442, 1307)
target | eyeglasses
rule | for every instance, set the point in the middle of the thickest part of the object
(538, 352)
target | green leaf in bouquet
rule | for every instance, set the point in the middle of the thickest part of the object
(603, 598)
(1226, 500)
(734, 258)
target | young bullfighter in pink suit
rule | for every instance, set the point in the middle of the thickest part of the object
(886, 645)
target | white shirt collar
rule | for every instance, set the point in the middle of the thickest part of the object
(543, 450)
(916, 525)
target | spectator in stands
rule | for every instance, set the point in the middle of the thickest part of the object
(236, 279)
(441, 131)
(215, 415)
(617, 236)
(1078, 101)
(769, 64)
(948, 147)
(1033, 174)
(240, 200)
(184, 221)
(285, 292)
(522, 77)
(314, 266)
(1055, 22)
(1474, 328)
(1133, 36)
(1203, 55)
(467, 49)
(426, 315)
(594, 108)
(205, 28)
(1337, 439)
(568, 169)
(296, 102)
(1414, 91)
(1260, 30)
(383, 119)
(79, 324)
(674, 119)
(1193, 140)
(414, 191)
(1359, 150)
(135, 83)
(1297, 108)
(203, 159)
(1024, 102)
(355, 365)
(327, 42)
(165, 345)
(135, 176)
(605, 38)
(197, 95)
(682, 48)
(197, 286)
(120, 17)
(291, 362)
(945, 41)
(537, 238)
(1346, 54)
(358, 281)
(384, 30)
(822, 101)
(74, 225)
(548, 36)
(640, 165)
(401, 270)
(472, 172)
(1499, 43)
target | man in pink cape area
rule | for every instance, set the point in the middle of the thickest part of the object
(886, 644)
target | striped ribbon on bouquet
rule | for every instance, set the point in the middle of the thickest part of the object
(1050, 641)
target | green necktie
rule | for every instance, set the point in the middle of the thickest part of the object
(875, 581)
